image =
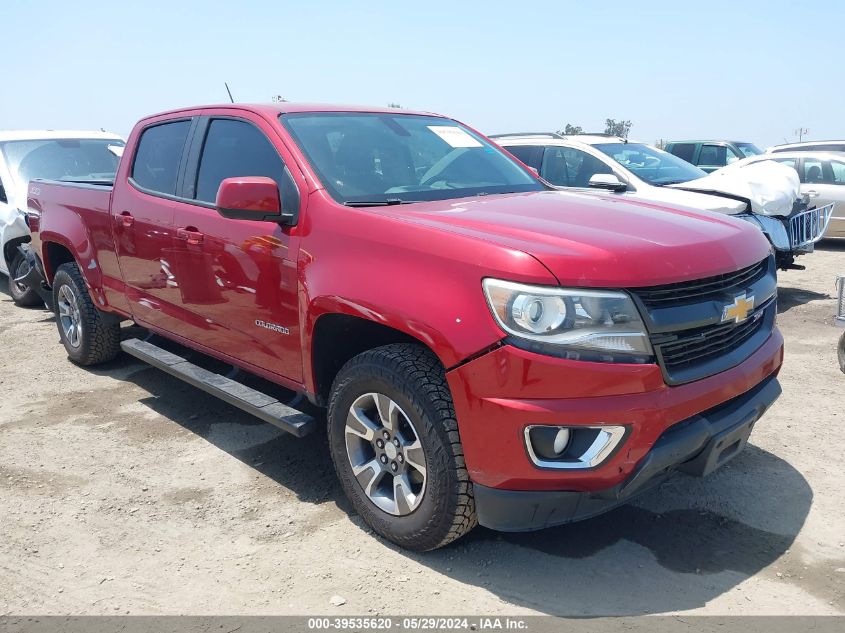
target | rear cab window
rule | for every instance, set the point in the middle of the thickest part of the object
(157, 158)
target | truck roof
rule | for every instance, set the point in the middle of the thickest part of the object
(275, 109)
(37, 135)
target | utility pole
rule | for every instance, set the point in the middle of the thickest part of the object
(800, 132)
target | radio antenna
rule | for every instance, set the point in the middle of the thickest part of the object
(229, 91)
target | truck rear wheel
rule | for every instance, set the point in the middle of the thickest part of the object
(395, 446)
(22, 294)
(89, 335)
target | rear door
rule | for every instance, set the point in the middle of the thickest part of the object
(142, 214)
(237, 278)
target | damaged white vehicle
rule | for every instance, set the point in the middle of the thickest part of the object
(73, 156)
(766, 195)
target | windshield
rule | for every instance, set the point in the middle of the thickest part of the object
(77, 160)
(365, 158)
(749, 149)
(654, 166)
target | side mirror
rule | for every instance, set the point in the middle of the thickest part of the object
(607, 181)
(251, 198)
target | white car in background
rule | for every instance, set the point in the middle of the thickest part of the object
(822, 176)
(768, 195)
(73, 156)
(808, 146)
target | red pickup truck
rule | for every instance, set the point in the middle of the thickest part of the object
(488, 350)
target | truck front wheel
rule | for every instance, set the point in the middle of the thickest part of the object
(396, 449)
(89, 335)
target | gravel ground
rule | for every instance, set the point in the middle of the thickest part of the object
(123, 490)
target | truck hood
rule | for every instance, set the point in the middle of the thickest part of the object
(595, 241)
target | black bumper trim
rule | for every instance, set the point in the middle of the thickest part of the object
(696, 446)
(35, 278)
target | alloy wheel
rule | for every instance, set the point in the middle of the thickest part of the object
(69, 316)
(385, 453)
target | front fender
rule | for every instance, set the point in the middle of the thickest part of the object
(414, 279)
(13, 228)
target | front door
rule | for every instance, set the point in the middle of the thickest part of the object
(237, 278)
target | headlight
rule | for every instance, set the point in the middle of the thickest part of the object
(581, 324)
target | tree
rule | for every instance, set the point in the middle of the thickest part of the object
(394, 105)
(571, 129)
(278, 99)
(617, 128)
(660, 143)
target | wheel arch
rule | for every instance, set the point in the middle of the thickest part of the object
(337, 338)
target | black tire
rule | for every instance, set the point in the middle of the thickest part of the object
(413, 378)
(840, 352)
(98, 338)
(23, 296)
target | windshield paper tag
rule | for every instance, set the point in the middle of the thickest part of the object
(455, 136)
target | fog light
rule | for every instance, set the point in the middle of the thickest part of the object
(572, 447)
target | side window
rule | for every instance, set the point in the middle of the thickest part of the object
(569, 167)
(716, 155)
(3, 196)
(813, 171)
(838, 169)
(684, 151)
(531, 155)
(236, 148)
(156, 165)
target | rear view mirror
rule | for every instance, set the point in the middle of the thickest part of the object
(607, 181)
(251, 198)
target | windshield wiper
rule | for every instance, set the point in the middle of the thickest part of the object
(389, 202)
(669, 182)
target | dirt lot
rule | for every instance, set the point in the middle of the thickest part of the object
(124, 491)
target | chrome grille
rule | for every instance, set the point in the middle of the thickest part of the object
(807, 227)
(703, 344)
(701, 289)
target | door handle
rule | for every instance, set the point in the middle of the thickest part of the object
(190, 235)
(126, 219)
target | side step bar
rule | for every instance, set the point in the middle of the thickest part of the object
(255, 402)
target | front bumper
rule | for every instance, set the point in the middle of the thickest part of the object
(501, 392)
(696, 446)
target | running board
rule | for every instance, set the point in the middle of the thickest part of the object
(245, 398)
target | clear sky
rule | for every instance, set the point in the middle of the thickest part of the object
(746, 70)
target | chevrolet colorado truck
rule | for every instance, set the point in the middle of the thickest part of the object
(487, 350)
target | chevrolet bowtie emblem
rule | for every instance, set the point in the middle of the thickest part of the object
(739, 310)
